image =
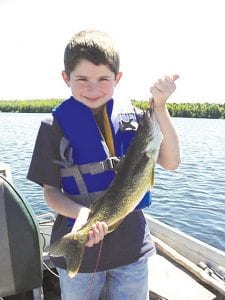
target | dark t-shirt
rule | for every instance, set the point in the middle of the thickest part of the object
(42, 169)
(130, 242)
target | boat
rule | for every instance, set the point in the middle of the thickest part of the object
(183, 268)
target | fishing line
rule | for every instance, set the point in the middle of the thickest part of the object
(50, 270)
(93, 276)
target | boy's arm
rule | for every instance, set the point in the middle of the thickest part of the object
(169, 154)
(63, 205)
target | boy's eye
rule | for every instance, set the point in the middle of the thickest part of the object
(82, 79)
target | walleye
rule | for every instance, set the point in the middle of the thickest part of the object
(134, 177)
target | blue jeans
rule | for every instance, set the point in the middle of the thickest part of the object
(123, 283)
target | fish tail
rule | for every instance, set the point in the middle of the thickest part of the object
(72, 250)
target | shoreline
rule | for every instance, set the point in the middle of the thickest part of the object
(185, 110)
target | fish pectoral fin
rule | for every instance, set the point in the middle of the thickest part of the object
(115, 225)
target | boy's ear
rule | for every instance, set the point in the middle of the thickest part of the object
(66, 78)
(118, 76)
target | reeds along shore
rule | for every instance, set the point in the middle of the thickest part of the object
(186, 110)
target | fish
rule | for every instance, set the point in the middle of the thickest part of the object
(134, 177)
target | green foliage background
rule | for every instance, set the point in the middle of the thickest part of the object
(190, 110)
(29, 106)
(187, 110)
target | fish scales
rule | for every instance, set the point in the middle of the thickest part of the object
(134, 177)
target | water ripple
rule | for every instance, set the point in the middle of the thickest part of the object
(191, 198)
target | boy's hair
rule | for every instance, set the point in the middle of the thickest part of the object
(94, 46)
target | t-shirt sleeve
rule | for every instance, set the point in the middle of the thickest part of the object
(42, 168)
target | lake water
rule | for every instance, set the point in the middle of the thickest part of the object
(192, 198)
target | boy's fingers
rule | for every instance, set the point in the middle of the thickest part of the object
(102, 230)
(159, 85)
(93, 237)
(105, 228)
(175, 77)
(97, 233)
(90, 242)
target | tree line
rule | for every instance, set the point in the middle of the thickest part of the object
(191, 110)
(185, 110)
(29, 106)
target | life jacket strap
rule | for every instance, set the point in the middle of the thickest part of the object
(110, 163)
(108, 132)
(76, 173)
(86, 201)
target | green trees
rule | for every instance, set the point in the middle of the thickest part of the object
(29, 106)
(186, 110)
(197, 110)
(191, 110)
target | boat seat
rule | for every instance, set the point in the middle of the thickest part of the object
(20, 252)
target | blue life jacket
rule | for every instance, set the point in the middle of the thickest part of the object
(88, 166)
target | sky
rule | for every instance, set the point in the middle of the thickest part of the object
(155, 38)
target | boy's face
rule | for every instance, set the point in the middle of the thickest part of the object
(92, 85)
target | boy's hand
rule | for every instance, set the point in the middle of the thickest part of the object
(162, 89)
(97, 233)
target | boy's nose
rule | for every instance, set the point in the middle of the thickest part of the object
(92, 86)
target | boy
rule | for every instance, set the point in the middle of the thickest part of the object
(74, 157)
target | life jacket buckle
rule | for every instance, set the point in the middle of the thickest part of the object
(111, 163)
